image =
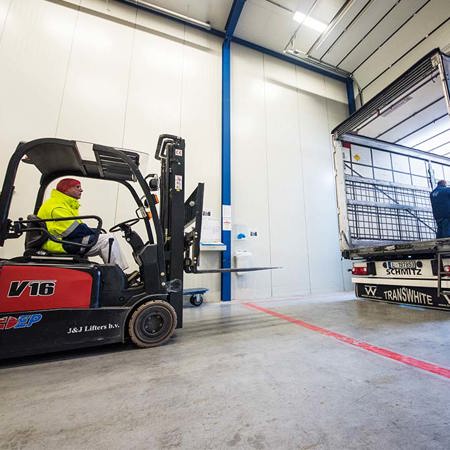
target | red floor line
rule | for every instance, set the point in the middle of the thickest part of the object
(423, 365)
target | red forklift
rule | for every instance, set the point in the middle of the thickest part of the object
(54, 302)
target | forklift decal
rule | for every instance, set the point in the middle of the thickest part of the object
(25, 321)
(35, 287)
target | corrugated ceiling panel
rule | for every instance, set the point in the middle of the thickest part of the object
(444, 151)
(293, 5)
(305, 38)
(439, 141)
(432, 112)
(417, 28)
(401, 110)
(266, 24)
(324, 11)
(426, 133)
(437, 39)
(356, 32)
(379, 34)
(442, 129)
(338, 28)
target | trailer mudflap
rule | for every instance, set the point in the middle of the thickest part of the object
(407, 295)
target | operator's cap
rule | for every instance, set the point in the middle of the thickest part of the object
(67, 183)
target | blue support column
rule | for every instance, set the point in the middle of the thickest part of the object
(350, 95)
(233, 18)
(226, 167)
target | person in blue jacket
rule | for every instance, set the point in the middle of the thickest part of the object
(440, 202)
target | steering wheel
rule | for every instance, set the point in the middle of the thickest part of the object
(126, 223)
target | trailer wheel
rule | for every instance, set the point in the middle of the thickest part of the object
(196, 299)
(152, 324)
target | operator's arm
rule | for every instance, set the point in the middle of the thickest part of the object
(74, 230)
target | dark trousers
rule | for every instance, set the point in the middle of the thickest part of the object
(443, 228)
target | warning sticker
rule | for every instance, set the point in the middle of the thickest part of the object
(178, 152)
(178, 182)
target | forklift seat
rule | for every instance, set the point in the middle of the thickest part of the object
(36, 238)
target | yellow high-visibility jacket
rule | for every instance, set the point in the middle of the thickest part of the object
(59, 205)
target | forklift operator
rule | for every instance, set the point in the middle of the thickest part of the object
(440, 202)
(63, 202)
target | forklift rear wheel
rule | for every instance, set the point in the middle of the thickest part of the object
(196, 299)
(152, 324)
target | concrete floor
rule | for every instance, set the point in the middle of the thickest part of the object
(235, 377)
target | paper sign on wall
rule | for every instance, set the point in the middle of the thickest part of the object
(210, 228)
(226, 217)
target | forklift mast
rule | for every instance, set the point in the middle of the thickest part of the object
(170, 151)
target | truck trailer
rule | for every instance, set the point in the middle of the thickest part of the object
(388, 157)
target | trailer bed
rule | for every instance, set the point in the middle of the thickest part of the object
(399, 250)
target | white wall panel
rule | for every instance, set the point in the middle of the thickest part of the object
(311, 82)
(165, 28)
(34, 53)
(319, 188)
(201, 120)
(283, 175)
(334, 91)
(109, 8)
(95, 94)
(201, 127)
(155, 87)
(32, 77)
(249, 171)
(4, 8)
(336, 113)
(288, 227)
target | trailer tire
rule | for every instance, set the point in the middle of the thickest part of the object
(152, 324)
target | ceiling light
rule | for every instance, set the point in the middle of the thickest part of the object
(175, 15)
(310, 22)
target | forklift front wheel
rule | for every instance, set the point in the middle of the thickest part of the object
(196, 299)
(152, 324)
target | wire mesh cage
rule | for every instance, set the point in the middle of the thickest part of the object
(388, 195)
(381, 223)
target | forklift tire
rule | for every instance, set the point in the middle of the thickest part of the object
(152, 324)
(196, 299)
